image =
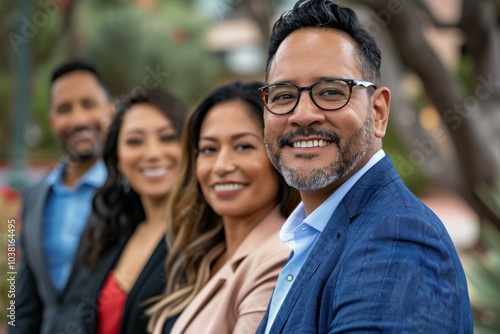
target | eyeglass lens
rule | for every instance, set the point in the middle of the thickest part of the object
(327, 94)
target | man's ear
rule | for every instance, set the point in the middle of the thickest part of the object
(381, 104)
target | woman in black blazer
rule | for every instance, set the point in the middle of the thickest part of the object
(123, 247)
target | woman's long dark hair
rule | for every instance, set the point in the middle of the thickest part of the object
(117, 208)
(193, 228)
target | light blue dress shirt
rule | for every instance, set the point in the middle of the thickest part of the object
(66, 212)
(301, 233)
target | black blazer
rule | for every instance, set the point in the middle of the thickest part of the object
(150, 283)
(38, 308)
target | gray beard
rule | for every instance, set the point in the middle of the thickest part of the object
(348, 158)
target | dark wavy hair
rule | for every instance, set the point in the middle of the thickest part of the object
(193, 228)
(117, 208)
(325, 14)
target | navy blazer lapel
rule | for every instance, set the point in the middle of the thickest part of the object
(331, 241)
(33, 231)
(368, 185)
(263, 323)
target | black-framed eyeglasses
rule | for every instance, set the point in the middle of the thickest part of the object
(327, 94)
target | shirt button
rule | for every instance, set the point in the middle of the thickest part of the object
(289, 278)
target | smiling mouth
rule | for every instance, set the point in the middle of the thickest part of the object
(307, 138)
(155, 172)
(310, 143)
(84, 134)
(228, 187)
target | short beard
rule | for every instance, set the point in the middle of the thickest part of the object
(94, 149)
(349, 156)
(76, 155)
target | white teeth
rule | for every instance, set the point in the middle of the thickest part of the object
(155, 172)
(310, 143)
(227, 187)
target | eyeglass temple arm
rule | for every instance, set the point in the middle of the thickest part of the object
(364, 83)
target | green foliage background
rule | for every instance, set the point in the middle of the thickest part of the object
(126, 43)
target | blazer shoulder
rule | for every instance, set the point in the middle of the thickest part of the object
(273, 249)
(263, 265)
(32, 190)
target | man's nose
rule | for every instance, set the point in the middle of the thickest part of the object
(306, 112)
(80, 117)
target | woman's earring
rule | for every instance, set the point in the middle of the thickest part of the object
(124, 183)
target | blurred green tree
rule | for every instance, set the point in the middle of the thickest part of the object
(133, 46)
(138, 49)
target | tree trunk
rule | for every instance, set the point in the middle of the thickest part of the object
(464, 115)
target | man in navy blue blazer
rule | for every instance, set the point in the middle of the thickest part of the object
(368, 256)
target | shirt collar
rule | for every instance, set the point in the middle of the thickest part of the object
(316, 219)
(292, 223)
(94, 177)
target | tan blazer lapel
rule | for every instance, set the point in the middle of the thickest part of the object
(208, 291)
(262, 231)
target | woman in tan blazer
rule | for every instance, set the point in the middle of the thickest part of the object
(224, 215)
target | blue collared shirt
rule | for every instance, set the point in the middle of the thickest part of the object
(301, 232)
(66, 212)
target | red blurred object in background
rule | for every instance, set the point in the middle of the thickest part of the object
(10, 205)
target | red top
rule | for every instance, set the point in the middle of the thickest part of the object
(110, 304)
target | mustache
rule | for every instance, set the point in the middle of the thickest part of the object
(306, 132)
(70, 133)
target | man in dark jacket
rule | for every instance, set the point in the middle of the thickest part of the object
(55, 211)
